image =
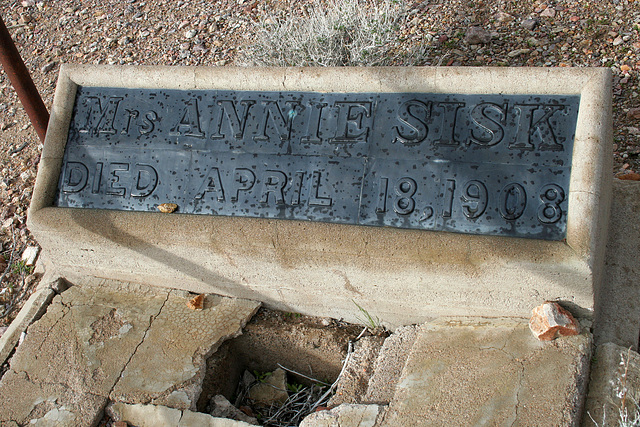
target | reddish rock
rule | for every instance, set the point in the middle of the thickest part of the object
(196, 303)
(477, 35)
(633, 113)
(550, 321)
(548, 12)
(629, 177)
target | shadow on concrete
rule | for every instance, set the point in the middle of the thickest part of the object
(219, 284)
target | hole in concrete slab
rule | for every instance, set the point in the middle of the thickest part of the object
(314, 347)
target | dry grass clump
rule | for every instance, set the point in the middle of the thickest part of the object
(338, 33)
(626, 418)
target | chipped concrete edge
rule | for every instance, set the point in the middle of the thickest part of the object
(32, 310)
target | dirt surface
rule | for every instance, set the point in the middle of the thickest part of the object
(580, 33)
(312, 346)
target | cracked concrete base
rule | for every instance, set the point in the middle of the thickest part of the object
(481, 371)
(92, 338)
(169, 366)
(35, 306)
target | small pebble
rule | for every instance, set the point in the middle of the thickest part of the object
(48, 67)
(529, 24)
(548, 12)
(167, 207)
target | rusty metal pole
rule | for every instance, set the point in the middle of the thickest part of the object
(22, 82)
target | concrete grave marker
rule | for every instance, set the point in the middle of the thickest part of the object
(418, 152)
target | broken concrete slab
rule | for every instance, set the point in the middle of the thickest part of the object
(73, 357)
(357, 372)
(346, 415)
(169, 366)
(198, 419)
(32, 310)
(162, 416)
(614, 385)
(472, 371)
(25, 401)
(144, 415)
(389, 365)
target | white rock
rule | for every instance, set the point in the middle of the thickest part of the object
(48, 67)
(222, 408)
(30, 255)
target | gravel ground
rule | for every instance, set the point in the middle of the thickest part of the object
(569, 33)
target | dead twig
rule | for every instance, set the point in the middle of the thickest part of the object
(361, 333)
(10, 307)
(303, 375)
(335, 383)
(13, 246)
(19, 297)
(296, 407)
(300, 402)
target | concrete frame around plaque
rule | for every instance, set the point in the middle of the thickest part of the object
(401, 276)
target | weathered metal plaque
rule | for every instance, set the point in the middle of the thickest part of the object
(480, 164)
